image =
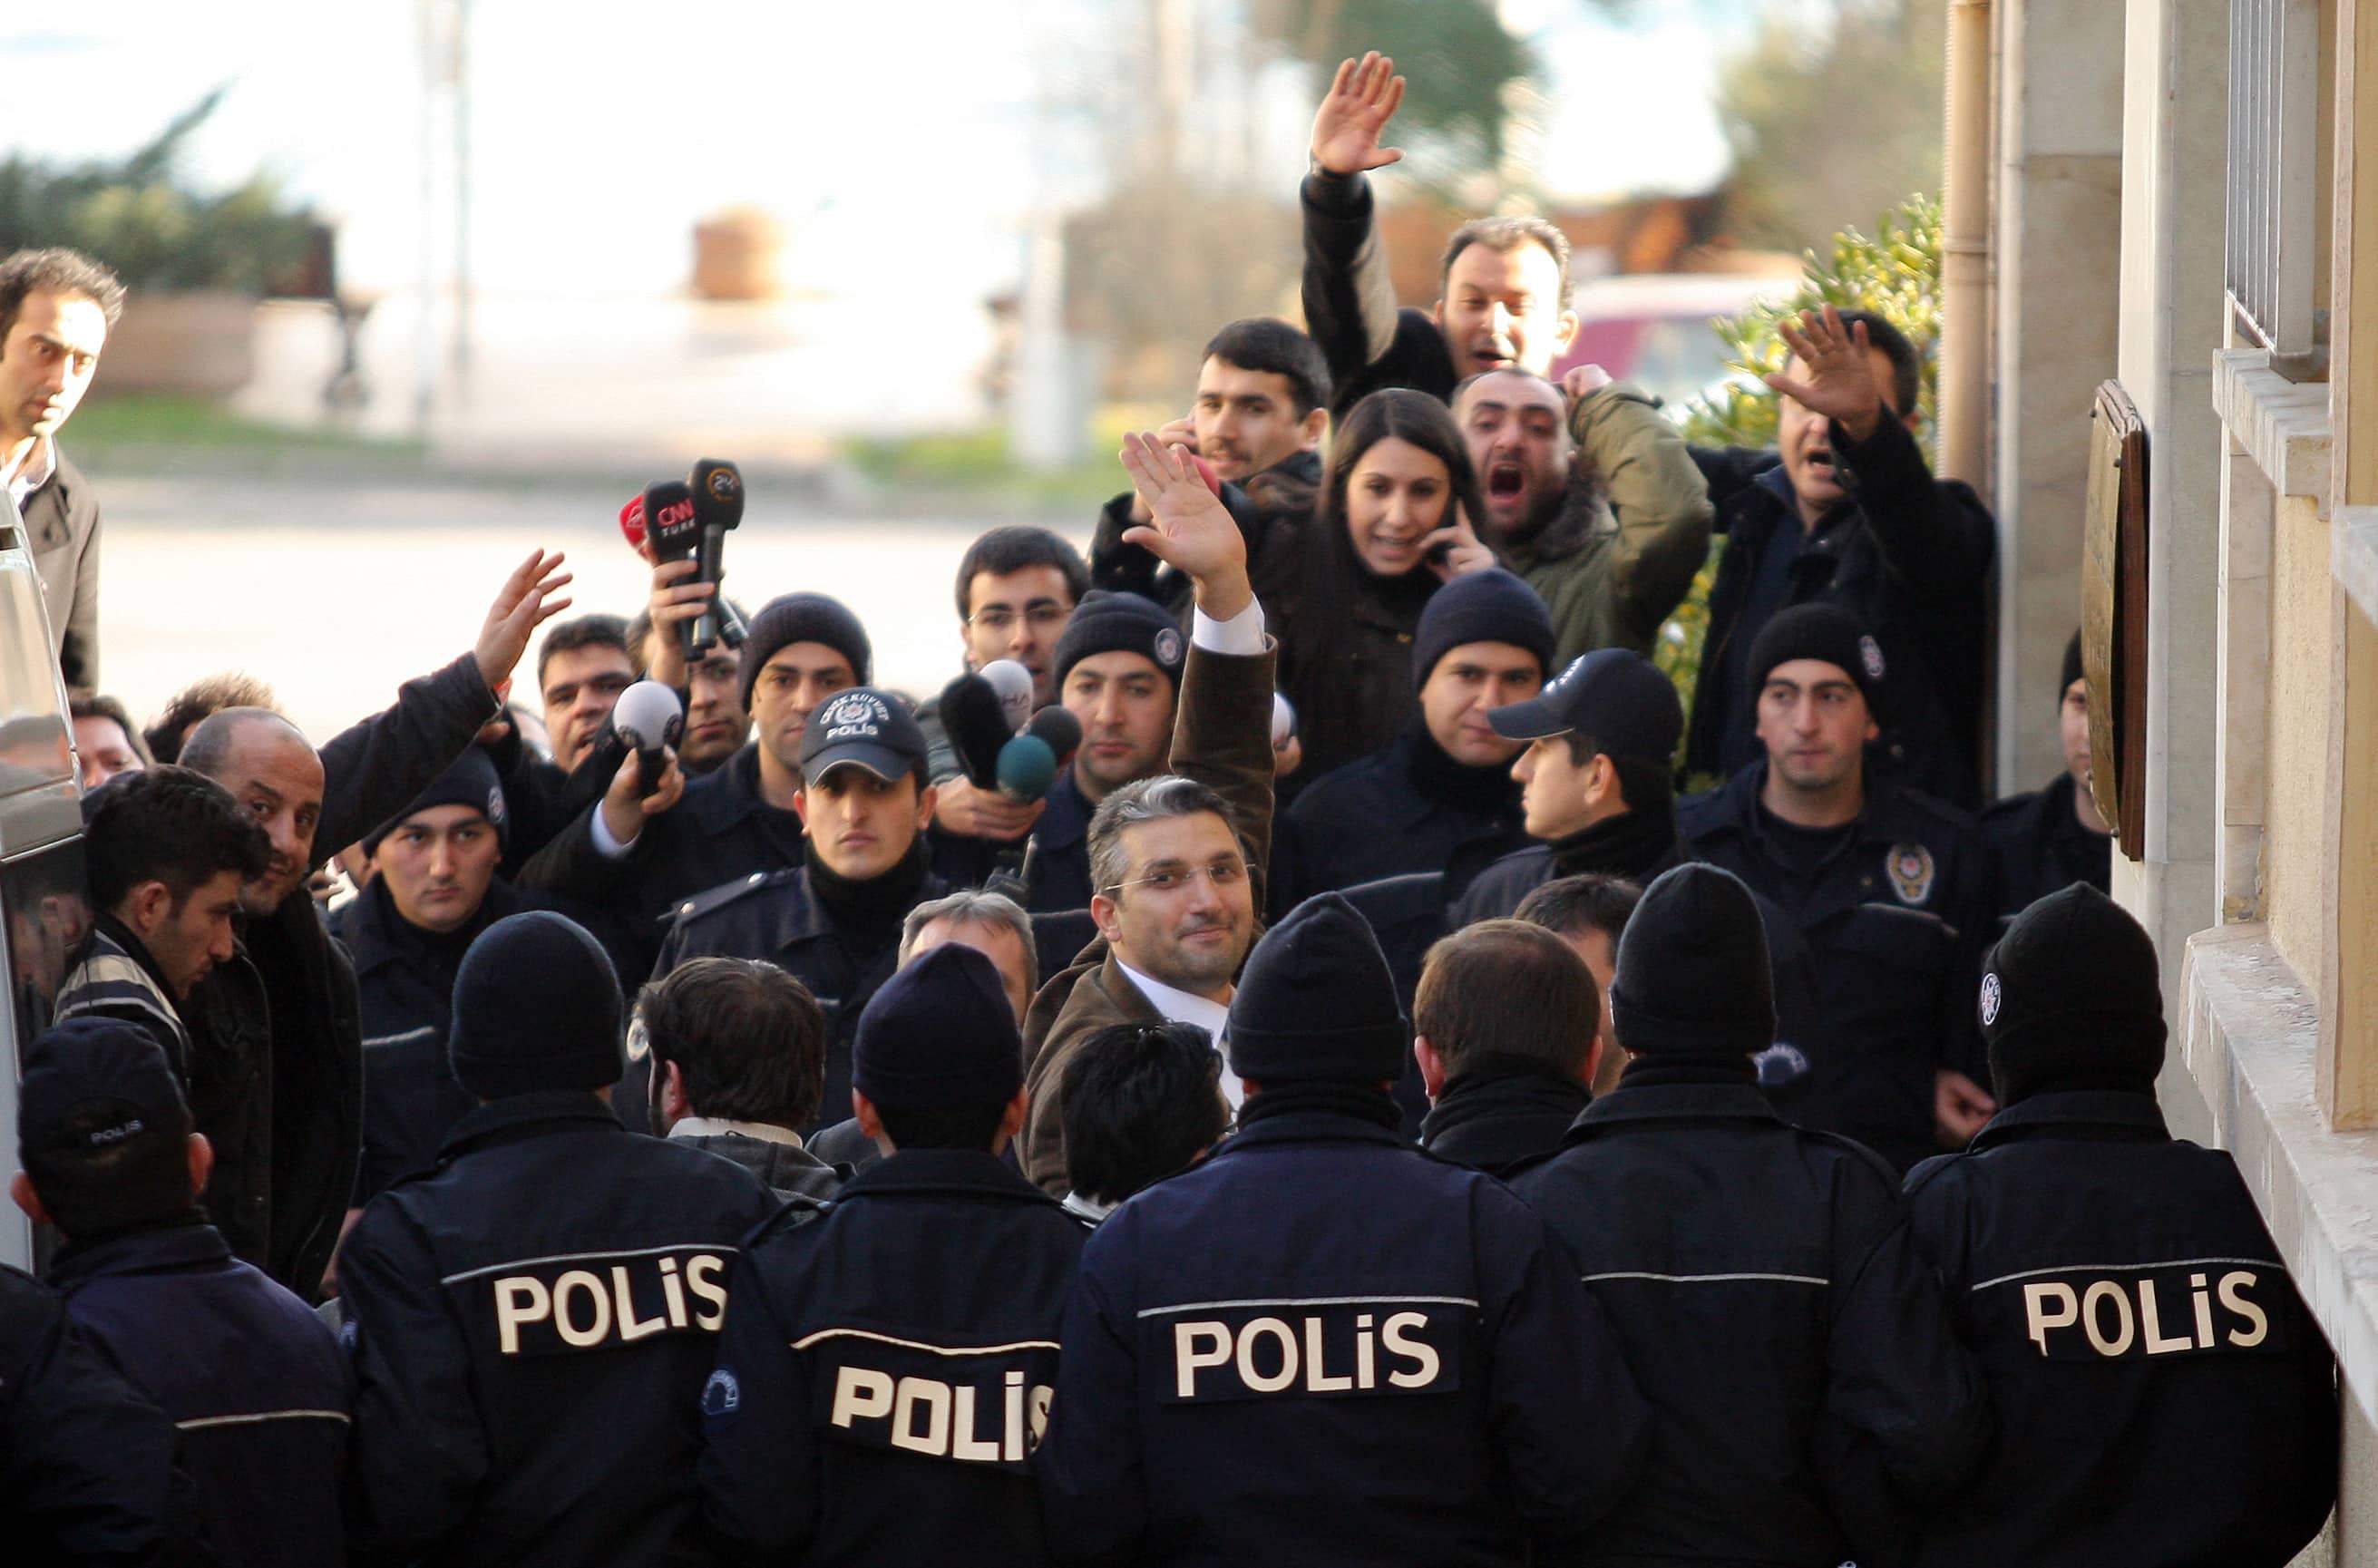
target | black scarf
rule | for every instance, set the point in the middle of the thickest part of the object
(1687, 1067)
(869, 913)
(1365, 1102)
(1490, 790)
(1497, 1084)
(1624, 845)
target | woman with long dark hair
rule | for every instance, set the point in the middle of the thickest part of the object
(1343, 595)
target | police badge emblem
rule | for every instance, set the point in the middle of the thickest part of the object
(1989, 999)
(1168, 648)
(1870, 655)
(1910, 865)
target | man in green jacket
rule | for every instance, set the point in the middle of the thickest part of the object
(1590, 496)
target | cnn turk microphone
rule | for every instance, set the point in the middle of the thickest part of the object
(1013, 684)
(717, 487)
(669, 526)
(648, 717)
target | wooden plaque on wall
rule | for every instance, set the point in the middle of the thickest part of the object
(2114, 614)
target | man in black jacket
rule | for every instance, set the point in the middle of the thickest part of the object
(1262, 408)
(1506, 279)
(1791, 1338)
(1845, 511)
(2054, 836)
(56, 308)
(832, 922)
(739, 1065)
(1596, 783)
(1507, 1034)
(532, 1318)
(885, 1374)
(1888, 889)
(284, 1009)
(2163, 1395)
(1442, 798)
(253, 1379)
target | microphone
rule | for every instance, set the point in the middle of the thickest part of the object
(1027, 769)
(1283, 719)
(1059, 730)
(632, 523)
(669, 526)
(1013, 684)
(971, 718)
(648, 717)
(1028, 766)
(717, 487)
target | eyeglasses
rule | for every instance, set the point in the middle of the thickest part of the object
(1224, 875)
(999, 617)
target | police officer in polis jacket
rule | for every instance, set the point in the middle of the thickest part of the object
(1321, 1345)
(833, 923)
(252, 1378)
(1775, 1310)
(886, 1372)
(2162, 1395)
(1441, 798)
(533, 1317)
(2052, 837)
(1889, 891)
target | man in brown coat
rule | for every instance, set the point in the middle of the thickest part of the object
(1175, 860)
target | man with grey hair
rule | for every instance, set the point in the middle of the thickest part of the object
(1176, 861)
(56, 308)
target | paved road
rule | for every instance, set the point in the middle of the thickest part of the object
(334, 594)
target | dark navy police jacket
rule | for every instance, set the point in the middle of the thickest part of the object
(2162, 1395)
(1788, 1334)
(252, 1380)
(1323, 1346)
(886, 1372)
(532, 1321)
(1894, 927)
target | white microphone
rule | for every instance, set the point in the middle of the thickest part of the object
(1284, 718)
(1013, 684)
(647, 717)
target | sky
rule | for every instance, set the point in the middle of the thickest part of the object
(601, 131)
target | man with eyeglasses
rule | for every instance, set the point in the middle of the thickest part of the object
(1174, 861)
(1016, 588)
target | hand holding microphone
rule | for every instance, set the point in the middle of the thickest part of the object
(718, 488)
(644, 722)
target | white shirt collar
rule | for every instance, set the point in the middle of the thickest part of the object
(713, 1126)
(1089, 1208)
(1184, 1007)
(40, 464)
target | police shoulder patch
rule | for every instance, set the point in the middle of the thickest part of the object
(722, 1396)
(1911, 869)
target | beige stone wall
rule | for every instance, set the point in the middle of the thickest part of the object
(2304, 660)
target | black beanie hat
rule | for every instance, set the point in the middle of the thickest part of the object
(1318, 1002)
(1818, 631)
(537, 1006)
(1482, 607)
(1693, 974)
(470, 779)
(1121, 623)
(2073, 670)
(804, 617)
(2071, 999)
(940, 1035)
(97, 1087)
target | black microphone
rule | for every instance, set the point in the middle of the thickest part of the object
(648, 717)
(718, 488)
(669, 527)
(976, 728)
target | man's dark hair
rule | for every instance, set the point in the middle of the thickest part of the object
(1645, 783)
(1142, 1101)
(167, 824)
(971, 1128)
(203, 697)
(98, 705)
(1016, 546)
(1907, 364)
(1505, 236)
(748, 1037)
(56, 271)
(1504, 988)
(1570, 906)
(597, 630)
(640, 632)
(1271, 346)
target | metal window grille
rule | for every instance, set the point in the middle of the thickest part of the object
(2275, 104)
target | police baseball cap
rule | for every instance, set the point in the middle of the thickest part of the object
(101, 1126)
(1616, 698)
(865, 728)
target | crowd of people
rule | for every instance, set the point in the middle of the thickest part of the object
(1360, 1112)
